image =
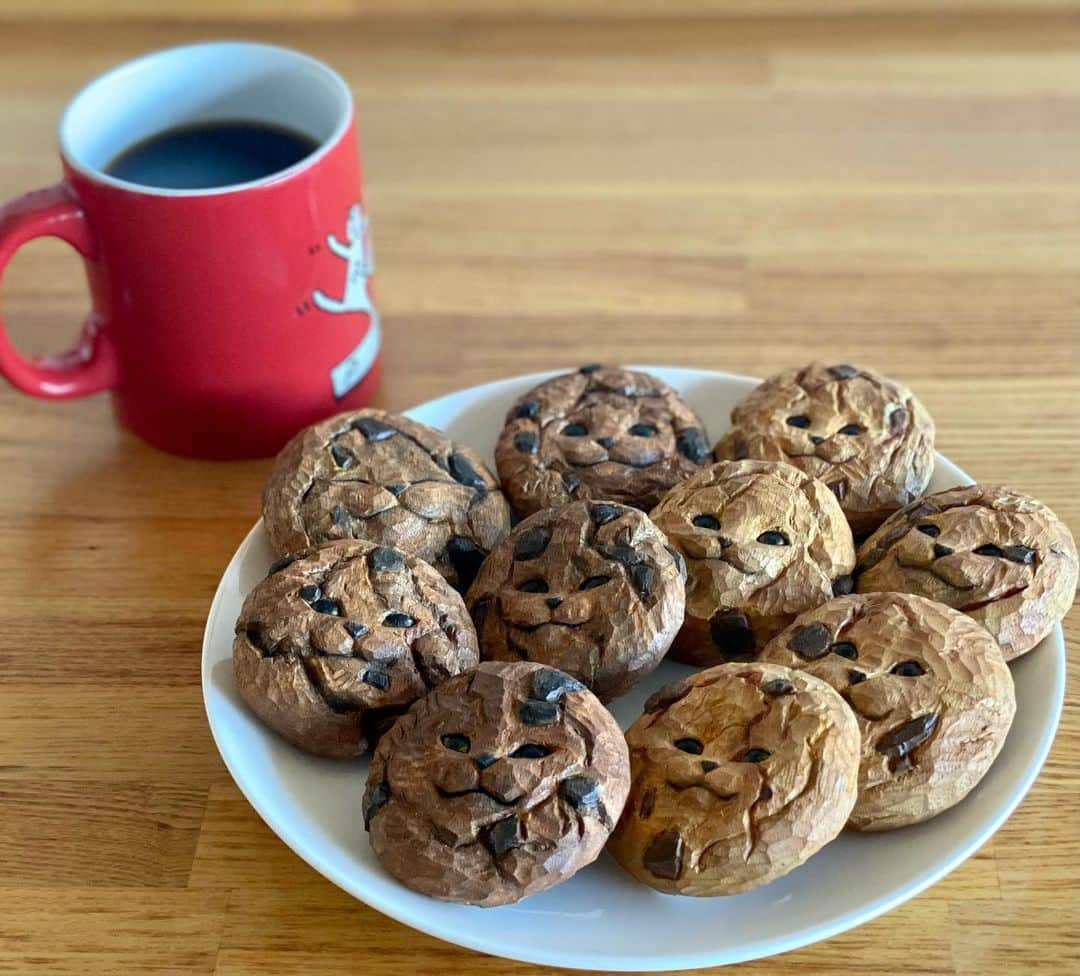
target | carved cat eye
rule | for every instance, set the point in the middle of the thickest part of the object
(989, 550)
(531, 750)
(755, 755)
(643, 430)
(692, 746)
(772, 538)
(798, 420)
(908, 669)
(931, 530)
(706, 522)
(575, 430)
(851, 429)
(534, 585)
(845, 649)
(457, 741)
(1015, 554)
(594, 581)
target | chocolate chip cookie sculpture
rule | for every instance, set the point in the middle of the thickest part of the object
(867, 437)
(590, 588)
(738, 774)
(338, 640)
(930, 688)
(601, 432)
(999, 556)
(497, 785)
(390, 480)
(763, 541)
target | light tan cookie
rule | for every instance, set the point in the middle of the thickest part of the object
(340, 639)
(590, 588)
(497, 785)
(738, 774)
(389, 480)
(1001, 557)
(931, 691)
(601, 432)
(867, 437)
(763, 542)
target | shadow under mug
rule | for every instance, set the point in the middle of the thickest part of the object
(222, 319)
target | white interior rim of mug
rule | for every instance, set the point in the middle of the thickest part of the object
(214, 81)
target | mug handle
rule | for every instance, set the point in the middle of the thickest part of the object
(90, 365)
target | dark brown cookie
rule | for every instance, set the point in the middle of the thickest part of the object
(930, 689)
(590, 588)
(390, 480)
(867, 437)
(738, 774)
(763, 541)
(340, 639)
(497, 785)
(1001, 557)
(599, 433)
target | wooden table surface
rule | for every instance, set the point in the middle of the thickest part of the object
(741, 194)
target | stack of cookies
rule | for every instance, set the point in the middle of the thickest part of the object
(846, 634)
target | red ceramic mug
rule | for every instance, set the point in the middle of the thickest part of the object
(223, 319)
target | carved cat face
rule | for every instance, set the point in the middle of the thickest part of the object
(498, 779)
(1002, 558)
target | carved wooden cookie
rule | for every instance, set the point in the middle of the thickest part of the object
(497, 785)
(867, 437)
(738, 775)
(1001, 557)
(390, 480)
(930, 688)
(590, 588)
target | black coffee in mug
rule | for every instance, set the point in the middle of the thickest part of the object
(209, 154)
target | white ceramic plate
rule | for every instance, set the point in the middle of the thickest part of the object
(601, 918)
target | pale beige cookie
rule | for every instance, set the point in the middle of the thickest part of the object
(867, 437)
(932, 693)
(340, 639)
(389, 480)
(738, 775)
(763, 542)
(601, 432)
(497, 785)
(590, 588)
(1001, 557)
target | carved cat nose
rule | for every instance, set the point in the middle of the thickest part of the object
(815, 439)
(553, 601)
(484, 760)
(940, 550)
(606, 442)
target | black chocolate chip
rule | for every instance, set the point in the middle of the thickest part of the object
(377, 679)
(457, 741)
(375, 797)
(310, 593)
(668, 695)
(531, 543)
(908, 669)
(326, 605)
(374, 430)
(355, 630)
(385, 559)
(777, 687)
(571, 482)
(550, 684)
(755, 755)
(663, 858)
(641, 576)
(397, 619)
(907, 737)
(691, 444)
(733, 635)
(503, 835)
(710, 522)
(843, 585)
(342, 458)
(590, 368)
(340, 516)
(526, 442)
(462, 471)
(690, 745)
(602, 514)
(845, 649)
(527, 408)
(583, 793)
(534, 712)
(843, 371)
(279, 564)
(811, 642)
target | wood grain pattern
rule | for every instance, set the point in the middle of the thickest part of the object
(739, 193)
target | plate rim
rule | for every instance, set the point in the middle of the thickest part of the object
(553, 956)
